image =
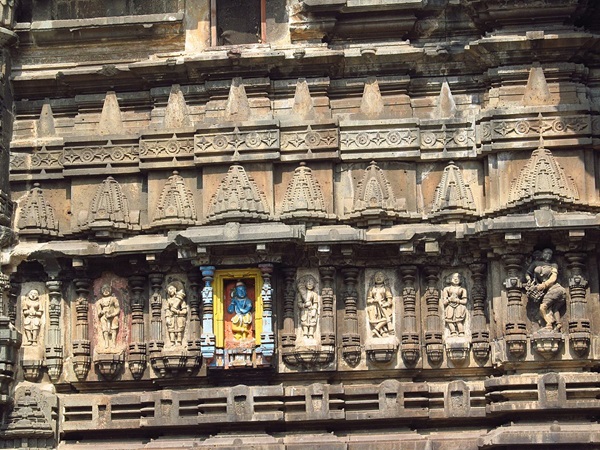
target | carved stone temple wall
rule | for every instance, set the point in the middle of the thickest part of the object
(298, 224)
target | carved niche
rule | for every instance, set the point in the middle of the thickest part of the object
(454, 301)
(108, 329)
(381, 342)
(33, 323)
(174, 318)
(549, 297)
(241, 318)
(308, 337)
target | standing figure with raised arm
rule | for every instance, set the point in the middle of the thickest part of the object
(542, 285)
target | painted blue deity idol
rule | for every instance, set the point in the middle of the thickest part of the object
(241, 307)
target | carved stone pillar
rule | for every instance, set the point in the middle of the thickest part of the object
(410, 336)
(327, 320)
(208, 333)
(157, 342)
(137, 348)
(194, 343)
(10, 341)
(10, 305)
(350, 338)
(288, 337)
(81, 342)
(515, 326)
(267, 338)
(54, 346)
(579, 322)
(480, 334)
(433, 321)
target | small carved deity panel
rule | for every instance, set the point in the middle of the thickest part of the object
(542, 287)
(108, 310)
(32, 317)
(380, 307)
(176, 312)
(308, 305)
(454, 301)
(239, 325)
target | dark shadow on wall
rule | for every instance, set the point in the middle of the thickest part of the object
(34, 10)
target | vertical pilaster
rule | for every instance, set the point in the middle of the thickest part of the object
(81, 342)
(327, 319)
(433, 321)
(350, 338)
(10, 341)
(157, 342)
(480, 334)
(515, 327)
(54, 347)
(288, 337)
(137, 348)
(579, 322)
(267, 338)
(194, 343)
(410, 336)
(208, 333)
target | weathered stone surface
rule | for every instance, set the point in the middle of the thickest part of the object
(373, 227)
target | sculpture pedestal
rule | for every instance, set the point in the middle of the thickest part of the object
(547, 342)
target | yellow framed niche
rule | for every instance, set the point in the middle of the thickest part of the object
(238, 316)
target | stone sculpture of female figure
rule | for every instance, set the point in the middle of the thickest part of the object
(308, 304)
(380, 307)
(542, 285)
(454, 301)
(32, 316)
(176, 311)
(108, 313)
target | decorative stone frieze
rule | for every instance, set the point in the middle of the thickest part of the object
(158, 151)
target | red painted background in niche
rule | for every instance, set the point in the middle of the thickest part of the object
(230, 340)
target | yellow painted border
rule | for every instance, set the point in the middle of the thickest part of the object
(219, 301)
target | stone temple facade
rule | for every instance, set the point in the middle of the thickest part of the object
(328, 224)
